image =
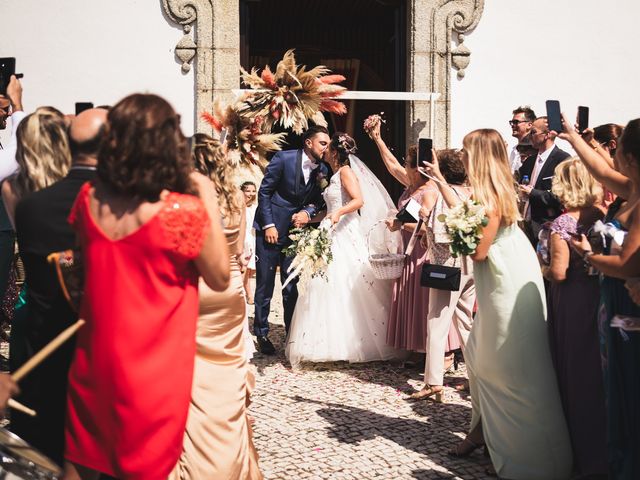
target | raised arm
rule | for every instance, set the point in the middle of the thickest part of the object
(450, 196)
(389, 159)
(597, 165)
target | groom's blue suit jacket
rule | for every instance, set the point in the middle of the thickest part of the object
(284, 192)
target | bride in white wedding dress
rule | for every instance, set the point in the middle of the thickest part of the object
(343, 317)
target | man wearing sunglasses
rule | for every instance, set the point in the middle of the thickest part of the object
(520, 123)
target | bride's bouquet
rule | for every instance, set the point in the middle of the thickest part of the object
(311, 249)
(463, 224)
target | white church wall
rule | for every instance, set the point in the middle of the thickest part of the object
(577, 51)
(94, 51)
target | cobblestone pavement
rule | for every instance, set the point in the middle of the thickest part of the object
(340, 421)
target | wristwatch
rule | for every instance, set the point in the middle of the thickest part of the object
(586, 255)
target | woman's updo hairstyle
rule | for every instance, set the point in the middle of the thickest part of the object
(344, 145)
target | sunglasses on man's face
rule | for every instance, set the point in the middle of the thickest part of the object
(515, 123)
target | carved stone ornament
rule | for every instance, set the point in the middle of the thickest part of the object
(432, 24)
(431, 56)
(186, 49)
(216, 48)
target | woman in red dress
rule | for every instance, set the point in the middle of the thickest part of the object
(144, 242)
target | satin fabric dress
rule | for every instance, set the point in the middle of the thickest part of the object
(130, 380)
(407, 325)
(218, 439)
(514, 391)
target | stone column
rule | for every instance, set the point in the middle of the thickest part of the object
(432, 26)
(216, 48)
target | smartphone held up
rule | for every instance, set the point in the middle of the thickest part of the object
(554, 117)
(425, 151)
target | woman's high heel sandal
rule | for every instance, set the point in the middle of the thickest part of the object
(429, 391)
(465, 448)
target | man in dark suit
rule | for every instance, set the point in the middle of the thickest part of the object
(42, 228)
(290, 195)
(541, 205)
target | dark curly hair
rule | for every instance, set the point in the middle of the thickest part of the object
(144, 150)
(344, 145)
(451, 166)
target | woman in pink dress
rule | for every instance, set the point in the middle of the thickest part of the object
(144, 243)
(407, 326)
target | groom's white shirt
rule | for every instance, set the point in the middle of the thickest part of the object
(307, 167)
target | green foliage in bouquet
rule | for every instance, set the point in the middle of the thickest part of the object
(312, 248)
(464, 223)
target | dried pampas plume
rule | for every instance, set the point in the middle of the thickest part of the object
(247, 143)
(292, 95)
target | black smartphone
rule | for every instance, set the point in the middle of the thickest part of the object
(425, 145)
(82, 106)
(7, 68)
(583, 119)
(554, 117)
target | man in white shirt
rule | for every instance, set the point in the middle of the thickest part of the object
(521, 123)
(541, 205)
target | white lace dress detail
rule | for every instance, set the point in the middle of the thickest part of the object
(345, 316)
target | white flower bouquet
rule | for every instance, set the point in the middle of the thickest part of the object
(311, 249)
(464, 223)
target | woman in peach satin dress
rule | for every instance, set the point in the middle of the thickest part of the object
(218, 439)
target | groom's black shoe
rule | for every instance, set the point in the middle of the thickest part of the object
(265, 346)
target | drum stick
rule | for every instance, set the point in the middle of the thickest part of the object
(48, 349)
(21, 408)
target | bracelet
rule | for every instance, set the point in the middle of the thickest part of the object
(586, 255)
(593, 144)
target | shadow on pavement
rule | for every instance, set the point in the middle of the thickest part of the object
(431, 437)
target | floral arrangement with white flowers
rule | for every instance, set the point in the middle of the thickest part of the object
(464, 223)
(311, 249)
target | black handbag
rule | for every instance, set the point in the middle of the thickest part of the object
(440, 277)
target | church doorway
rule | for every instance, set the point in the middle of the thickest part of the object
(364, 40)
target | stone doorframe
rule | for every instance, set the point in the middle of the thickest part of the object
(432, 27)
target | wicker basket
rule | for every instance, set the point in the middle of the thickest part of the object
(386, 266)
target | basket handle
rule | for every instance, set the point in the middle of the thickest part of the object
(414, 238)
(369, 235)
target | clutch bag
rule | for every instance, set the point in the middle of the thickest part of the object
(440, 277)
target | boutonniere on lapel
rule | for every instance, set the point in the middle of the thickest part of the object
(321, 180)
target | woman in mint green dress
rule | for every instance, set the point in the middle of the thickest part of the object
(517, 411)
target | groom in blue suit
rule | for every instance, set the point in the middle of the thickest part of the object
(290, 195)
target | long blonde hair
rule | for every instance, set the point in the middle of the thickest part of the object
(42, 153)
(574, 186)
(210, 160)
(490, 174)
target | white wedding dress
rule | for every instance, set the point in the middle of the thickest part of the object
(342, 317)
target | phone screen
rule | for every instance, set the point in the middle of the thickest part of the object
(553, 115)
(425, 145)
(7, 68)
(82, 106)
(583, 119)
